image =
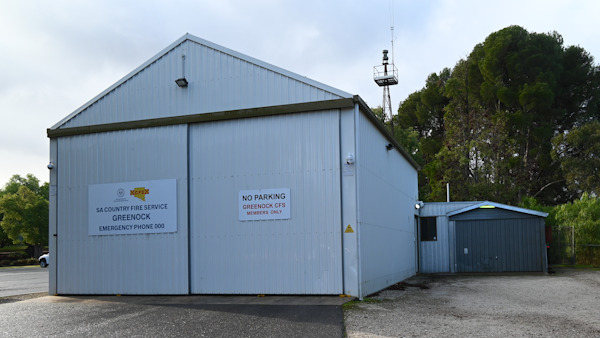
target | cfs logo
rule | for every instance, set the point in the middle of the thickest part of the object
(139, 193)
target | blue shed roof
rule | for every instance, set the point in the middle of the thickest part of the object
(492, 205)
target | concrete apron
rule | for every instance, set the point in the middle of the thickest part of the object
(165, 316)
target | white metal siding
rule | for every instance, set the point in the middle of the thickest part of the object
(435, 256)
(301, 255)
(387, 190)
(349, 203)
(119, 264)
(219, 80)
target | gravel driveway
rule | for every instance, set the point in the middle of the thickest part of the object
(561, 304)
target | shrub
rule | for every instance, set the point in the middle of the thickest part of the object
(25, 261)
(17, 255)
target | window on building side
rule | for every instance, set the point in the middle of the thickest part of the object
(428, 229)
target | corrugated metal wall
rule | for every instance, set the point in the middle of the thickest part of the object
(435, 255)
(218, 81)
(119, 264)
(300, 255)
(387, 192)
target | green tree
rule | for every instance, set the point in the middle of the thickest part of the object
(24, 208)
(533, 204)
(378, 112)
(4, 240)
(420, 122)
(497, 112)
(584, 216)
(577, 151)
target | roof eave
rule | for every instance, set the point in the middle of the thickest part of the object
(381, 127)
(501, 206)
(122, 80)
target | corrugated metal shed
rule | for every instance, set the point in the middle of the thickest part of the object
(484, 237)
(492, 237)
(240, 127)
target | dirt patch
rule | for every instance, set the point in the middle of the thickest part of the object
(565, 303)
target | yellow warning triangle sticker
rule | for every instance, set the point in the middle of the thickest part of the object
(349, 229)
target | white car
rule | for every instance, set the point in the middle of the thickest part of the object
(44, 260)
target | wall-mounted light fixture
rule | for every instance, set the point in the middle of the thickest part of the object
(50, 165)
(350, 158)
(181, 82)
(389, 146)
(419, 205)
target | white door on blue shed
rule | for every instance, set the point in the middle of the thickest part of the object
(298, 255)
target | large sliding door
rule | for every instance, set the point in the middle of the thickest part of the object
(257, 250)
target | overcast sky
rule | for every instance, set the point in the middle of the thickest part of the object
(57, 55)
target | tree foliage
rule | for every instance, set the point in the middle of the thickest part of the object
(577, 152)
(487, 126)
(24, 209)
(533, 204)
(584, 215)
(4, 240)
(421, 117)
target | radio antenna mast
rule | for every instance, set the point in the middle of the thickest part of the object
(386, 75)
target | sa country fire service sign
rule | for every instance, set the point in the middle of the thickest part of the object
(264, 204)
(142, 207)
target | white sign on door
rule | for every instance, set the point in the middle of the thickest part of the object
(142, 207)
(264, 204)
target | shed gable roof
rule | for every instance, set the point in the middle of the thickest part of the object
(491, 205)
(219, 79)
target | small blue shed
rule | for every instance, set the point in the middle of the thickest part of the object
(481, 237)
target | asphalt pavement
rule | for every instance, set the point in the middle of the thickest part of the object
(174, 316)
(26, 310)
(23, 280)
